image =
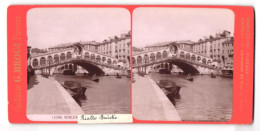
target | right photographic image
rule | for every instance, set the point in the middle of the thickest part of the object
(182, 64)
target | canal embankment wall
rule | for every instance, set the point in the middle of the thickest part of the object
(150, 102)
(45, 96)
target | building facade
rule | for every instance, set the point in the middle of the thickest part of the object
(213, 47)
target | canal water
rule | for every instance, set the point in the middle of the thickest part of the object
(108, 96)
(204, 99)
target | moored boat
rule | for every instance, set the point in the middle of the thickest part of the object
(212, 75)
(94, 78)
(74, 89)
(118, 76)
(189, 78)
(227, 73)
(169, 87)
(128, 73)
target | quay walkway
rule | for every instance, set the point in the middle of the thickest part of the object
(150, 103)
(45, 96)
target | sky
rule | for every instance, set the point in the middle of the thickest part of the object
(153, 25)
(47, 27)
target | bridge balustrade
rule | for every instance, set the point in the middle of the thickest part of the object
(93, 61)
(173, 57)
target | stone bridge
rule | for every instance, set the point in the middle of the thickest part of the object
(167, 56)
(76, 55)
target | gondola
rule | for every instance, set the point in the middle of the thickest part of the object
(118, 76)
(189, 79)
(227, 73)
(169, 88)
(212, 75)
(74, 89)
(94, 78)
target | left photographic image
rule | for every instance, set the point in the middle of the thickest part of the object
(78, 62)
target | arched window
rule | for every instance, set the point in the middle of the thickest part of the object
(86, 55)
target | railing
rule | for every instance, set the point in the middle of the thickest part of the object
(72, 60)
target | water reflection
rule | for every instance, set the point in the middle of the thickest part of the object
(204, 99)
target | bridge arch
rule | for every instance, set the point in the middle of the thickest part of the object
(209, 62)
(158, 55)
(139, 60)
(182, 54)
(204, 61)
(56, 58)
(152, 57)
(103, 59)
(69, 55)
(198, 58)
(35, 62)
(42, 61)
(133, 61)
(62, 57)
(193, 57)
(188, 56)
(98, 58)
(146, 58)
(92, 57)
(49, 60)
(109, 61)
(70, 66)
(114, 62)
(66, 66)
(165, 54)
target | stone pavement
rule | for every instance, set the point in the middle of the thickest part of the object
(46, 96)
(150, 103)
